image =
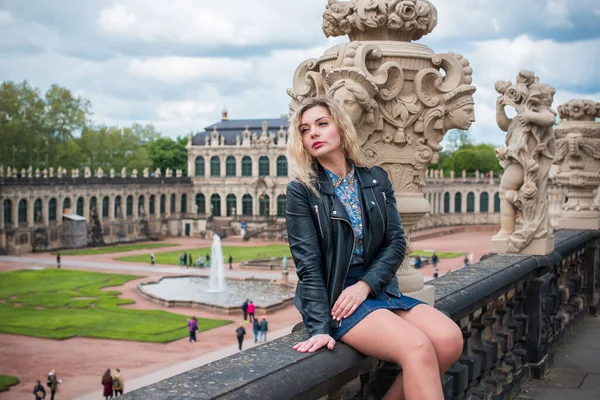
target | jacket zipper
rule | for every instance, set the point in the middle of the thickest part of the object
(319, 221)
(351, 253)
(377, 204)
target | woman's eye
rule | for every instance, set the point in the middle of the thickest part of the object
(323, 124)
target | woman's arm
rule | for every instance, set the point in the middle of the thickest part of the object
(304, 240)
(387, 262)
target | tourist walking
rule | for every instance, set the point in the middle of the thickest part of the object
(190, 260)
(245, 310)
(52, 383)
(251, 310)
(193, 326)
(418, 262)
(185, 260)
(240, 336)
(256, 328)
(434, 260)
(181, 260)
(152, 258)
(230, 262)
(107, 382)
(39, 391)
(347, 241)
(436, 273)
(466, 261)
(118, 383)
(200, 262)
(264, 327)
(58, 260)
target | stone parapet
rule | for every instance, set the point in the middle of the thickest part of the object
(513, 310)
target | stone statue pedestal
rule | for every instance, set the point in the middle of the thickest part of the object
(427, 294)
(537, 247)
(580, 220)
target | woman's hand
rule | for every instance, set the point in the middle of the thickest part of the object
(349, 300)
(315, 343)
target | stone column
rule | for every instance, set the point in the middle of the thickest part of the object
(452, 200)
(2, 222)
(407, 97)
(30, 212)
(463, 199)
(15, 211)
(577, 155)
(46, 211)
(477, 202)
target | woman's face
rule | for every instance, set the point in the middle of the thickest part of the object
(320, 135)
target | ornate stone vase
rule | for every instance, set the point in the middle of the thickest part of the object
(578, 160)
(401, 96)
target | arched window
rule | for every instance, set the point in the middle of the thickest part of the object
(230, 166)
(80, 205)
(484, 202)
(200, 204)
(129, 210)
(281, 206)
(141, 208)
(446, 203)
(151, 206)
(230, 203)
(105, 207)
(7, 212)
(163, 204)
(215, 166)
(22, 211)
(118, 207)
(66, 204)
(497, 202)
(246, 166)
(199, 166)
(263, 166)
(263, 205)
(37, 209)
(458, 203)
(282, 166)
(93, 204)
(247, 205)
(471, 202)
(215, 205)
(173, 203)
(184, 203)
(52, 210)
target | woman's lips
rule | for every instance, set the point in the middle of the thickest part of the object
(316, 145)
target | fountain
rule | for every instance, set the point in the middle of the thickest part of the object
(217, 273)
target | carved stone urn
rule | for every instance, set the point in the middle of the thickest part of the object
(401, 96)
(578, 160)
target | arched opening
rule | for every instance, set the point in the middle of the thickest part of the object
(173, 203)
(52, 210)
(184, 203)
(199, 164)
(37, 210)
(497, 202)
(263, 166)
(458, 203)
(230, 166)
(93, 205)
(281, 206)
(8, 212)
(200, 203)
(105, 207)
(215, 166)
(118, 207)
(230, 203)
(151, 205)
(129, 209)
(163, 204)
(140, 207)
(22, 211)
(484, 202)
(446, 203)
(263, 205)
(215, 205)
(80, 206)
(246, 166)
(247, 205)
(66, 205)
(282, 166)
(471, 202)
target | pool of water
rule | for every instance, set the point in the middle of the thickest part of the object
(263, 293)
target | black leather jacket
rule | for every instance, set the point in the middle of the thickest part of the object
(322, 241)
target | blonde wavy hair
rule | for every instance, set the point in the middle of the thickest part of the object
(303, 164)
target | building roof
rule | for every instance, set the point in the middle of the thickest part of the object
(230, 128)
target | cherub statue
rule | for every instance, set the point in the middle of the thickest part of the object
(526, 158)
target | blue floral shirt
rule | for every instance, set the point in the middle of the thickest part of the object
(346, 189)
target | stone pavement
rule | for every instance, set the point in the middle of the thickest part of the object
(576, 371)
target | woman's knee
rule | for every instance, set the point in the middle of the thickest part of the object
(419, 351)
(449, 344)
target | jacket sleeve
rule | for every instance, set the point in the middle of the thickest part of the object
(303, 238)
(390, 257)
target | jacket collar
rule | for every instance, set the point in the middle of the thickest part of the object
(365, 179)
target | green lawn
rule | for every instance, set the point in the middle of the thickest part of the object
(6, 381)
(115, 249)
(60, 304)
(440, 254)
(239, 254)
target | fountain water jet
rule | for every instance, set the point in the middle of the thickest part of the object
(217, 272)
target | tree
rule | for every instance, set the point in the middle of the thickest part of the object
(457, 139)
(168, 153)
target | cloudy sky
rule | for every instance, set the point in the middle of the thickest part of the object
(177, 63)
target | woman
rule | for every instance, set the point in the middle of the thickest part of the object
(193, 327)
(347, 242)
(256, 328)
(107, 382)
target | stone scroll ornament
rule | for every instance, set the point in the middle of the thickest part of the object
(401, 96)
(526, 158)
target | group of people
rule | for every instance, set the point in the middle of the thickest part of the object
(248, 308)
(113, 384)
(51, 382)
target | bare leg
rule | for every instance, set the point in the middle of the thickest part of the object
(386, 336)
(511, 180)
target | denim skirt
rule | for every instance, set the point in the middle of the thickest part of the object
(382, 301)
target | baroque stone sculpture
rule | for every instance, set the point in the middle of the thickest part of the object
(401, 96)
(526, 159)
(578, 158)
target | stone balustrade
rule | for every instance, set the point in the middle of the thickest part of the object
(514, 310)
